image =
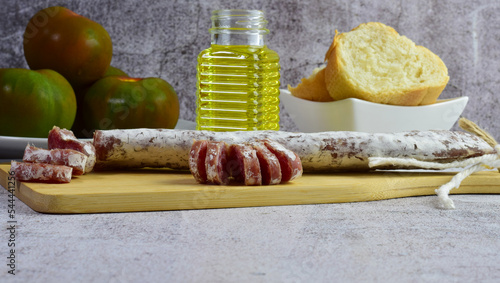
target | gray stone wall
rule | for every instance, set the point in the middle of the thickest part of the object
(163, 38)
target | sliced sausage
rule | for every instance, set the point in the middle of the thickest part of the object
(244, 165)
(215, 161)
(67, 157)
(197, 159)
(63, 138)
(41, 172)
(269, 164)
(291, 166)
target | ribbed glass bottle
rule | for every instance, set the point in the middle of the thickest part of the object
(238, 77)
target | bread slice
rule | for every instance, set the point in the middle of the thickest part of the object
(373, 62)
(312, 88)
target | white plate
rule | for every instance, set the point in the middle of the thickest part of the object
(13, 147)
(362, 116)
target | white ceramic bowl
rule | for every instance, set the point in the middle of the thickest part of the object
(362, 116)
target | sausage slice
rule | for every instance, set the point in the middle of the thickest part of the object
(291, 166)
(244, 165)
(269, 164)
(215, 162)
(197, 160)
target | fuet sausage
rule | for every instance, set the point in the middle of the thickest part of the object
(197, 158)
(41, 172)
(269, 164)
(324, 151)
(247, 168)
(67, 157)
(291, 166)
(215, 162)
(252, 164)
(63, 138)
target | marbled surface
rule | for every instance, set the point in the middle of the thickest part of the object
(399, 240)
(163, 38)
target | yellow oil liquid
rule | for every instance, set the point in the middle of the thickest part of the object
(238, 88)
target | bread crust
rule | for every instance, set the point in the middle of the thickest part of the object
(340, 84)
(313, 87)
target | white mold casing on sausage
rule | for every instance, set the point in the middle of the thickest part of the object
(324, 151)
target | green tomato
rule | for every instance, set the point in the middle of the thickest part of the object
(79, 128)
(78, 48)
(113, 71)
(32, 102)
(116, 102)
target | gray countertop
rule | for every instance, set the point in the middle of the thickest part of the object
(398, 240)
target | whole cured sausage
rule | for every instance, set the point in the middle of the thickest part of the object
(324, 151)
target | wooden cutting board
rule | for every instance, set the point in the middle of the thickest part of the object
(163, 189)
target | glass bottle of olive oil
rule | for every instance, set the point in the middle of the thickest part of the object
(238, 76)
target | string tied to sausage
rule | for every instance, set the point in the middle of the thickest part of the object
(470, 165)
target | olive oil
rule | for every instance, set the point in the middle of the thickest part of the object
(238, 84)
